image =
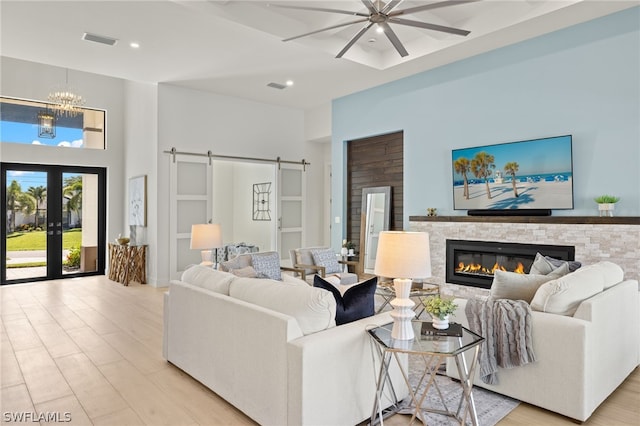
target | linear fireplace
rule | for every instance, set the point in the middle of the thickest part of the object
(472, 263)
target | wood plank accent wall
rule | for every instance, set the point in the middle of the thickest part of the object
(374, 161)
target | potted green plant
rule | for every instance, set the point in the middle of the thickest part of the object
(606, 204)
(350, 246)
(440, 308)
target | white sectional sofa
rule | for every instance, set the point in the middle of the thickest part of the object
(581, 358)
(272, 349)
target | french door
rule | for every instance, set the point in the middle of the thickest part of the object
(54, 220)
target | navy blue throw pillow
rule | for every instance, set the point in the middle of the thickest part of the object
(356, 303)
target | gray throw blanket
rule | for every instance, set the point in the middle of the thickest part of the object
(506, 326)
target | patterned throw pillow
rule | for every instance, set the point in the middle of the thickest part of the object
(356, 303)
(267, 265)
(326, 258)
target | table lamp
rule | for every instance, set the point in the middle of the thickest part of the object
(206, 237)
(403, 256)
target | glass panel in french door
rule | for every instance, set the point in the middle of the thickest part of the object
(55, 222)
(25, 236)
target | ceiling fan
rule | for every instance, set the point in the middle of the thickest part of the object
(383, 14)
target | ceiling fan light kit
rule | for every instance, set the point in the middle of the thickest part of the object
(382, 14)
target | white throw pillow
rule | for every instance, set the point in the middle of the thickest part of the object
(209, 278)
(313, 308)
(563, 295)
(510, 285)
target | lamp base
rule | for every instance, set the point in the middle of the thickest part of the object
(207, 256)
(402, 313)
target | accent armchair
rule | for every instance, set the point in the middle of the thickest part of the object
(321, 261)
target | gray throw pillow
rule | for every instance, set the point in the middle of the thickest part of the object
(267, 265)
(510, 285)
(326, 258)
(542, 265)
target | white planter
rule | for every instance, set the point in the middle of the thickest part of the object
(606, 209)
(441, 324)
(352, 252)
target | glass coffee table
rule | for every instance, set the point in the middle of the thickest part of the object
(434, 350)
(386, 291)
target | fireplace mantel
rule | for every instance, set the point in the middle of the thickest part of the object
(594, 238)
(589, 220)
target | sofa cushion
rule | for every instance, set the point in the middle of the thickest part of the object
(563, 295)
(327, 258)
(356, 303)
(208, 278)
(510, 285)
(267, 265)
(543, 265)
(313, 308)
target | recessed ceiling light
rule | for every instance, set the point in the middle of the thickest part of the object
(289, 83)
(379, 30)
(134, 45)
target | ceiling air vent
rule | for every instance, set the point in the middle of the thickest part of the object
(277, 86)
(109, 41)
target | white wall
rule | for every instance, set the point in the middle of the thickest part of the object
(29, 80)
(195, 121)
(141, 158)
(233, 202)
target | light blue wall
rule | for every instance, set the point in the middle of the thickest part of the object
(584, 81)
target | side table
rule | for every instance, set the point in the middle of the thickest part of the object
(434, 350)
(127, 263)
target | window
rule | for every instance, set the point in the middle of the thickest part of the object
(36, 123)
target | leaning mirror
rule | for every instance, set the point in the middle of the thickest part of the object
(376, 214)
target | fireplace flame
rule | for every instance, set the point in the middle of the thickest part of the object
(474, 268)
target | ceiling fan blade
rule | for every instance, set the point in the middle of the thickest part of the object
(354, 39)
(430, 6)
(370, 7)
(390, 6)
(327, 29)
(393, 38)
(321, 9)
(428, 26)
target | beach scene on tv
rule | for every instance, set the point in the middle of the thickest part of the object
(534, 174)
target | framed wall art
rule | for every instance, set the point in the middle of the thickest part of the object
(138, 201)
(261, 194)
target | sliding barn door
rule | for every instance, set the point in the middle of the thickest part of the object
(191, 191)
(291, 208)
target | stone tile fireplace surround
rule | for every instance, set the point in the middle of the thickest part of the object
(616, 239)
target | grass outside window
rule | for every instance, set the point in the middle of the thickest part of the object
(37, 240)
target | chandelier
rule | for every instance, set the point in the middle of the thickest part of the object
(65, 101)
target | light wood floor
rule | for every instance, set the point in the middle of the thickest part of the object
(92, 348)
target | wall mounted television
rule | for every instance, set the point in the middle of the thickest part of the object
(525, 175)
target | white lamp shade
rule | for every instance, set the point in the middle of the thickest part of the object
(403, 255)
(206, 236)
